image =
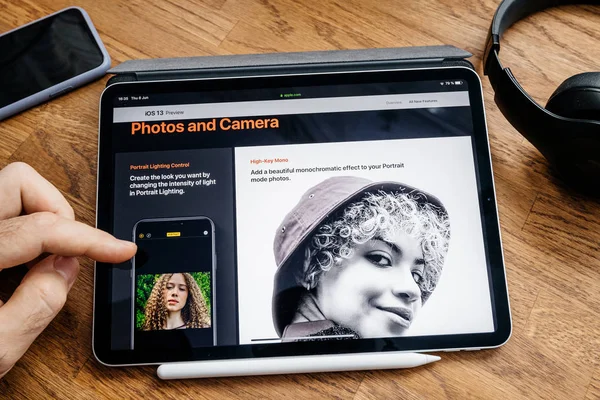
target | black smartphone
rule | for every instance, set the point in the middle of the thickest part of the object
(49, 57)
(173, 276)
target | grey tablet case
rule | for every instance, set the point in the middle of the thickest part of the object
(289, 63)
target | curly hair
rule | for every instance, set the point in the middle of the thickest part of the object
(379, 214)
(195, 313)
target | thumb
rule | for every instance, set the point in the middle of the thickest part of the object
(37, 300)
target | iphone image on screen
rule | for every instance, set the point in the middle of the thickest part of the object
(173, 282)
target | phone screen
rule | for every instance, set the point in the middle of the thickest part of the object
(44, 54)
(173, 282)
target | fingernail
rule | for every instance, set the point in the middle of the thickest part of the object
(127, 244)
(68, 267)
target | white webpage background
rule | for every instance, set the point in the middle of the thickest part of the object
(443, 167)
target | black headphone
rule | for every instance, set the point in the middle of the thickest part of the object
(567, 131)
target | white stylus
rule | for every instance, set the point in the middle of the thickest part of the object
(293, 365)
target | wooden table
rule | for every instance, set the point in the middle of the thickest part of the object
(551, 235)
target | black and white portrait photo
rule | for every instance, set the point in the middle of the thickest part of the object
(360, 240)
(364, 256)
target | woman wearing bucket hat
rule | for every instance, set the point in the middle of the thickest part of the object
(357, 259)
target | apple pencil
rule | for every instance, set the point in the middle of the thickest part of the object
(293, 365)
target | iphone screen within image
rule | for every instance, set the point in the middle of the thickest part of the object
(173, 284)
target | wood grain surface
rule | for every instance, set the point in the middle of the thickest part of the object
(551, 235)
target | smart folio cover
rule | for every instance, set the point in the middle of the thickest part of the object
(299, 63)
(289, 63)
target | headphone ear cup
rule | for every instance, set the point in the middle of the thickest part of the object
(577, 97)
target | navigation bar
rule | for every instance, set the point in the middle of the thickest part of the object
(291, 106)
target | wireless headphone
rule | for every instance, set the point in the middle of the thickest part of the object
(567, 131)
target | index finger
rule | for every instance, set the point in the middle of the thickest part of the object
(24, 238)
(22, 188)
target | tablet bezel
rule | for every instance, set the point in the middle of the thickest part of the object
(487, 199)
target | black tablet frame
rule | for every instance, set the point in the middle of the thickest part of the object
(487, 200)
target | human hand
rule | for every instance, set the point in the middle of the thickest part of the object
(37, 226)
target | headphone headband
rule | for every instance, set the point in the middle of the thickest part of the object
(572, 145)
(511, 11)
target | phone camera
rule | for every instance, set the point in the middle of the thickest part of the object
(205, 233)
(148, 235)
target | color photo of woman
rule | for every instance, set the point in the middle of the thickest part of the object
(175, 302)
(357, 259)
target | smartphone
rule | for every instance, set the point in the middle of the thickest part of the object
(173, 282)
(47, 58)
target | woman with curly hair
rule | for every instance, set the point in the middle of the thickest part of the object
(176, 302)
(357, 259)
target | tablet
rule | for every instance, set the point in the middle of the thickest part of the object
(310, 214)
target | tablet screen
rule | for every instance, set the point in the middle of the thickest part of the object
(292, 215)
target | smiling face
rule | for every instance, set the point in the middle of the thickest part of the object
(375, 292)
(175, 293)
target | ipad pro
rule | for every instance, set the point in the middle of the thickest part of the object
(313, 214)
